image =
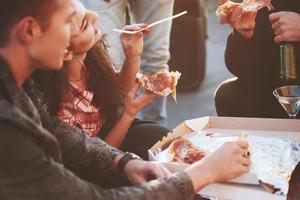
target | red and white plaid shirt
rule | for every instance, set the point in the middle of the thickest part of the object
(78, 111)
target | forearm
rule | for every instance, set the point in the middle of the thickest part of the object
(68, 186)
(43, 178)
(176, 187)
(118, 133)
(82, 152)
(200, 177)
(127, 76)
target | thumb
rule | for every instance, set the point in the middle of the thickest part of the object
(145, 98)
(157, 173)
(138, 180)
(133, 90)
(275, 16)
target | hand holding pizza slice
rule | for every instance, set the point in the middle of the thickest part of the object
(241, 16)
(162, 83)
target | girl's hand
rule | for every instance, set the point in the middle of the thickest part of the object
(133, 44)
(135, 102)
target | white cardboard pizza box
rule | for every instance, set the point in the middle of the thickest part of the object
(283, 128)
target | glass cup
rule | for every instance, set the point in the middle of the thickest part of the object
(289, 98)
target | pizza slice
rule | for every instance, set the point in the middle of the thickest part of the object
(183, 151)
(162, 83)
(227, 8)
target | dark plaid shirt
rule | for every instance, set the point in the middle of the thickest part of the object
(45, 159)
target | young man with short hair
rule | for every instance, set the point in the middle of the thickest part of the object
(39, 164)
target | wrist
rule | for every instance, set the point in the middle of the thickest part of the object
(125, 159)
(127, 116)
(115, 162)
(129, 57)
(199, 176)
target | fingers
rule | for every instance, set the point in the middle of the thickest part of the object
(236, 14)
(138, 180)
(165, 171)
(138, 27)
(159, 171)
(275, 16)
(145, 98)
(281, 38)
(244, 160)
(134, 27)
(242, 144)
(278, 31)
(147, 31)
(223, 19)
(277, 24)
(244, 169)
(133, 91)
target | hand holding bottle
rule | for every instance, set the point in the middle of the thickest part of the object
(286, 26)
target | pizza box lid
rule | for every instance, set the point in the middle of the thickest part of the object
(284, 128)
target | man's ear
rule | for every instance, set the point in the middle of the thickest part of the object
(28, 30)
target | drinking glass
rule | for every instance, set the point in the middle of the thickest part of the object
(289, 98)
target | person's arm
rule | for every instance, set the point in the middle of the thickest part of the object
(127, 75)
(227, 162)
(117, 134)
(81, 152)
(89, 158)
(133, 48)
(134, 103)
(244, 55)
(26, 173)
(243, 50)
(240, 55)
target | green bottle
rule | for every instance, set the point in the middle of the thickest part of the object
(288, 62)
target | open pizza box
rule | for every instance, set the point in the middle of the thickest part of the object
(246, 186)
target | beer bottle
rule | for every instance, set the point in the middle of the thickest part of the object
(288, 62)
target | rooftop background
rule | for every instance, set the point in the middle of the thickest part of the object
(200, 102)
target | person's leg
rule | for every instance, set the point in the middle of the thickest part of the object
(111, 15)
(141, 136)
(156, 46)
(234, 100)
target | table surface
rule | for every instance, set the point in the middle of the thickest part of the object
(294, 188)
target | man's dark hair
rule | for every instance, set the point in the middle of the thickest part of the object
(11, 11)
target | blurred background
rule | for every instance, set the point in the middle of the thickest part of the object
(199, 54)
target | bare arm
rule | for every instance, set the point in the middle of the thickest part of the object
(118, 133)
(134, 103)
(224, 164)
(127, 76)
(133, 48)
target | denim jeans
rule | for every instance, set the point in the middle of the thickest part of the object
(156, 45)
